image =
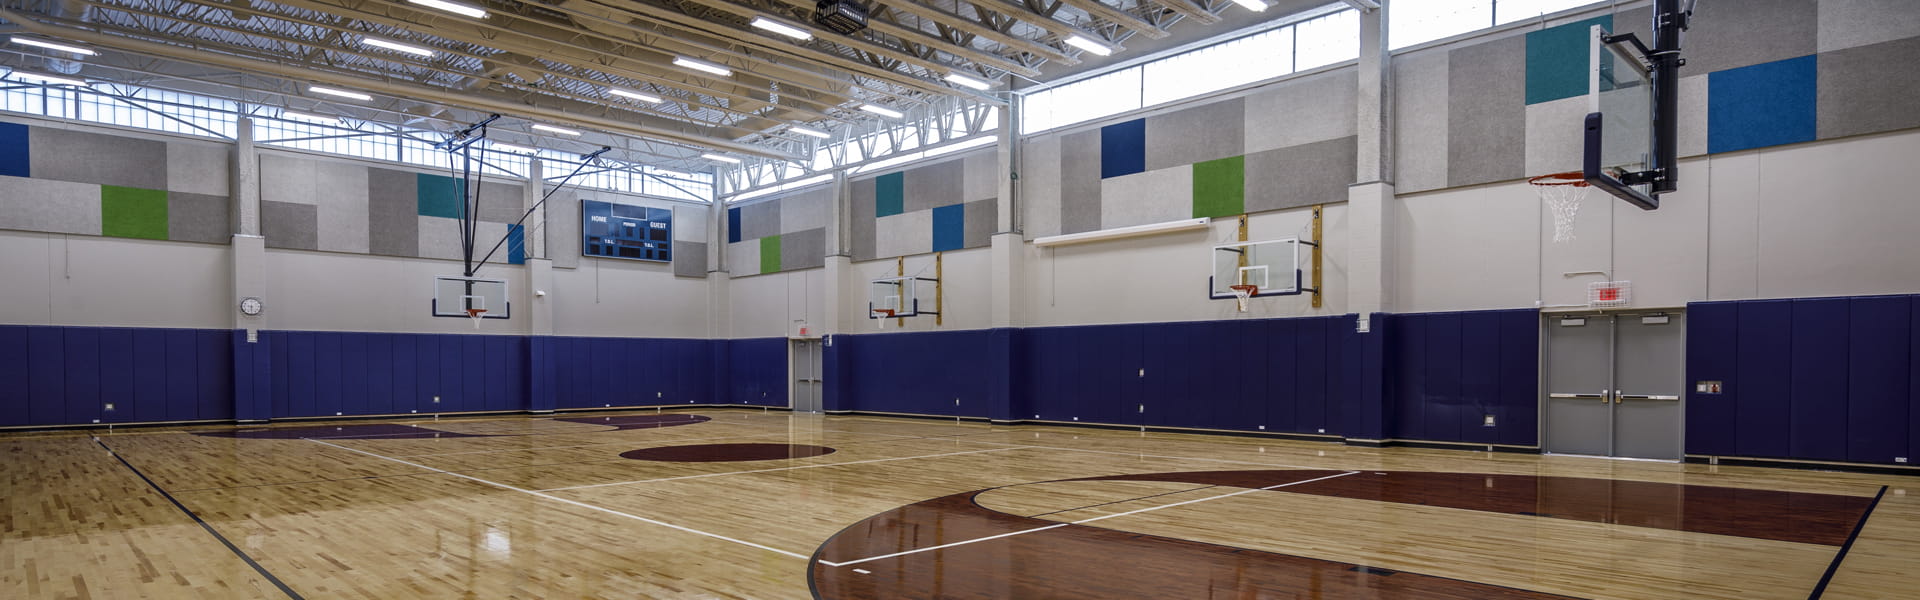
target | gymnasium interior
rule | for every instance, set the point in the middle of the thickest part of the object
(883, 299)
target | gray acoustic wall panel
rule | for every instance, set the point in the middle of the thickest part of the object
(1869, 89)
(862, 222)
(198, 168)
(49, 205)
(689, 258)
(97, 158)
(806, 209)
(1039, 186)
(906, 233)
(290, 225)
(563, 228)
(1691, 127)
(289, 179)
(439, 238)
(982, 176)
(344, 220)
(806, 249)
(1206, 132)
(760, 220)
(1301, 111)
(1420, 127)
(501, 202)
(1851, 23)
(1147, 197)
(1486, 112)
(1736, 34)
(1556, 134)
(1080, 182)
(393, 208)
(197, 218)
(689, 225)
(981, 216)
(934, 185)
(1304, 175)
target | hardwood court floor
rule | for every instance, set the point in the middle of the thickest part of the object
(546, 507)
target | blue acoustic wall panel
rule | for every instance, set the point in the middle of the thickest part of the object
(949, 227)
(1123, 148)
(733, 225)
(1879, 339)
(1760, 421)
(1713, 331)
(1448, 371)
(1767, 104)
(1819, 395)
(15, 160)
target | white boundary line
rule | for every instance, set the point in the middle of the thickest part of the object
(1166, 456)
(573, 503)
(838, 464)
(1088, 520)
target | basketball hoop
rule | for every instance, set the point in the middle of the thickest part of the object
(1242, 292)
(884, 314)
(476, 314)
(1562, 192)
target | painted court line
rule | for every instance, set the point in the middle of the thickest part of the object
(1088, 520)
(838, 464)
(1167, 456)
(571, 502)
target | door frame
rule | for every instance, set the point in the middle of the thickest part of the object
(1540, 391)
(818, 386)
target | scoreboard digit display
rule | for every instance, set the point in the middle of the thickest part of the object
(611, 230)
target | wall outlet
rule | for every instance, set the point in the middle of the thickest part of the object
(1899, 459)
(1322, 430)
(436, 399)
(110, 407)
(1487, 421)
(659, 394)
(1263, 428)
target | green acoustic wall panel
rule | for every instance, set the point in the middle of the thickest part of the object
(440, 196)
(1557, 59)
(770, 254)
(133, 212)
(1220, 187)
(890, 194)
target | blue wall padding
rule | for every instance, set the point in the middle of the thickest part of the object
(67, 375)
(919, 373)
(757, 371)
(16, 158)
(1123, 148)
(1829, 379)
(1448, 371)
(1767, 104)
(949, 227)
(253, 376)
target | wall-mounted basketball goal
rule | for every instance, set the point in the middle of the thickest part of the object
(471, 297)
(903, 296)
(1244, 270)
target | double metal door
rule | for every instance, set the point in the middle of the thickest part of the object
(804, 371)
(1614, 385)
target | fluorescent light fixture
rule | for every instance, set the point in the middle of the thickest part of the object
(634, 95)
(509, 148)
(47, 79)
(552, 129)
(976, 142)
(288, 114)
(965, 81)
(725, 159)
(341, 93)
(1122, 232)
(781, 28)
(882, 111)
(808, 131)
(1252, 5)
(397, 46)
(453, 7)
(1087, 44)
(52, 46)
(701, 65)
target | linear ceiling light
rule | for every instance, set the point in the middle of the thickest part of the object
(650, 98)
(510, 148)
(1122, 232)
(52, 46)
(552, 129)
(701, 65)
(808, 131)
(1252, 5)
(668, 173)
(288, 114)
(1087, 44)
(453, 7)
(725, 159)
(47, 79)
(882, 111)
(781, 28)
(965, 81)
(397, 46)
(341, 93)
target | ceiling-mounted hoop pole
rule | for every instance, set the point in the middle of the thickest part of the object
(900, 270)
(1317, 208)
(938, 297)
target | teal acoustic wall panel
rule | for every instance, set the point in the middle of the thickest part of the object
(1558, 59)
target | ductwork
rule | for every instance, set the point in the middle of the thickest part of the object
(67, 9)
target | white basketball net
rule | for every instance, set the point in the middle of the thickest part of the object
(1562, 192)
(1241, 295)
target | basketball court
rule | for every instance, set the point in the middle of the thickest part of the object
(1532, 299)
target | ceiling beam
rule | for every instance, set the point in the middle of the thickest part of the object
(1197, 12)
(1101, 10)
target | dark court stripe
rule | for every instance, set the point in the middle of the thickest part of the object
(1834, 567)
(203, 525)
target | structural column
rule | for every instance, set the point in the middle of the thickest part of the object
(252, 351)
(840, 274)
(1009, 252)
(719, 300)
(541, 384)
(1370, 221)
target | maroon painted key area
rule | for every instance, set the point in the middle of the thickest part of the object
(1068, 561)
(726, 452)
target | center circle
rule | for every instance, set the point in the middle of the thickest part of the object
(726, 452)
